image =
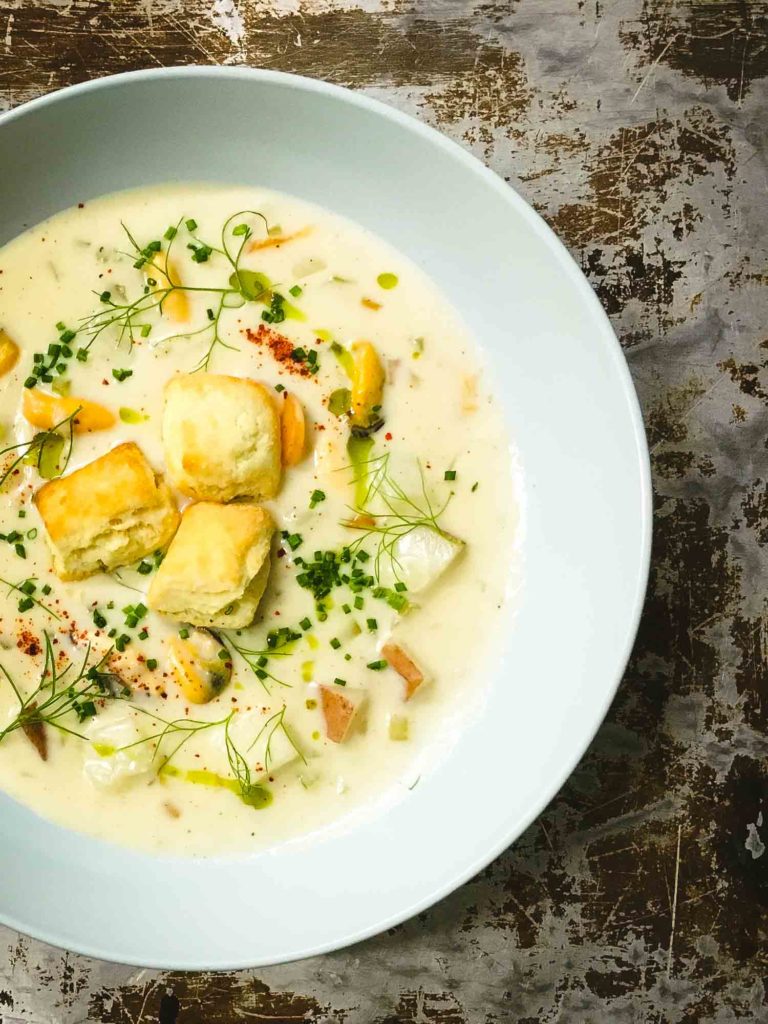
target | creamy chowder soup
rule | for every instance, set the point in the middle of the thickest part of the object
(256, 519)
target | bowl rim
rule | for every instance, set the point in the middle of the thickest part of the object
(508, 194)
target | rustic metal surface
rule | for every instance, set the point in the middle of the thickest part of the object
(638, 129)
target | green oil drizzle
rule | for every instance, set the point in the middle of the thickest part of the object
(255, 796)
(359, 451)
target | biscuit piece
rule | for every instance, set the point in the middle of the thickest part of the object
(221, 437)
(216, 569)
(111, 512)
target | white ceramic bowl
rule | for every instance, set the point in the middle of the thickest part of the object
(574, 419)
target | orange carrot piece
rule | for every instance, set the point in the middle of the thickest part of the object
(275, 240)
(293, 430)
(175, 305)
(45, 411)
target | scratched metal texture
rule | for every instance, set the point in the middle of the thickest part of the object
(638, 129)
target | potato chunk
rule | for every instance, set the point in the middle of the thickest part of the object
(405, 666)
(341, 706)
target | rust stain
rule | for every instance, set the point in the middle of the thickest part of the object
(205, 999)
(746, 376)
(494, 92)
(352, 47)
(641, 168)
(716, 41)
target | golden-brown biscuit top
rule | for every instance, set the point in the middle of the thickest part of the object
(118, 483)
(222, 437)
(217, 549)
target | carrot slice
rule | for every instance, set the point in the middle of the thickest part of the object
(45, 411)
(175, 305)
(405, 667)
(9, 353)
(274, 240)
(293, 430)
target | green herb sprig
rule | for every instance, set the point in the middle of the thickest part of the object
(403, 514)
(280, 643)
(62, 693)
(27, 589)
(45, 450)
(271, 726)
(129, 318)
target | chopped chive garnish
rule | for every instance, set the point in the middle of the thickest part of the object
(279, 388)
(359, 602)
(400, 587)
(346, 609)
(372, 624)
(191, 224)
(144, 634)
(340, 682)
(121, 375)
(305, 624)
(335, 643)
(170, 233)
(316, 497)
(151, 664)
(98, 619)
(144, 568)
(46, 589)
(20, 550)
(377, 666)
(450, 474)
(184, 633)
(475, 485)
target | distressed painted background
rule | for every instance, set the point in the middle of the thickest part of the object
(638, 129)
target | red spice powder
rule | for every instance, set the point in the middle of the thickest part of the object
(280, 347)
(29, 643)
